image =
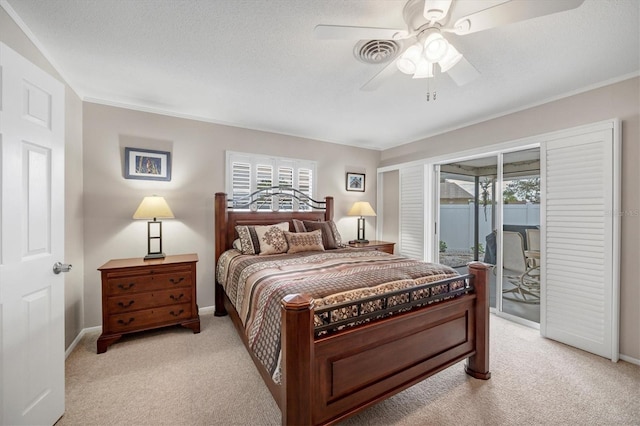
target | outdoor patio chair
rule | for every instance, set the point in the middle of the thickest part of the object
(524, 278)
(533, 248)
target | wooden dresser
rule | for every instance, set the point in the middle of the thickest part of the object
(140, 294)
(385, 246)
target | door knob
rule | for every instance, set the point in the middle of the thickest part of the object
(61, 267)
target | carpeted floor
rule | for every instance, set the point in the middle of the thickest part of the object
(174, 377)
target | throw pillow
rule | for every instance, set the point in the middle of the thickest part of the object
(267, 239)
(298, 225)
(304, 241)
(330, 236)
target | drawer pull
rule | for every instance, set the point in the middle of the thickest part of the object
(126, 286)
(178, 281)
(172, 297)
(122, 305)
(180, 312)
(123, 322)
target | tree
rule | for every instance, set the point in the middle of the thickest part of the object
(485, 194)
(522, 190)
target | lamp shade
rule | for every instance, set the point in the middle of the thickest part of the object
(153, 207)
(361, 208)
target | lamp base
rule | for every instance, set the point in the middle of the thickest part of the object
(154, 256)
(359, 242)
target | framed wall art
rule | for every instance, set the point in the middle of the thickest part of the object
(147, 164)
(355, 182)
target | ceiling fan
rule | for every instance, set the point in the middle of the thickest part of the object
(427, 23)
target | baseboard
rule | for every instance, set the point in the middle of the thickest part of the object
(79, 337)
(206, 310)
(201, 311)
(630, 359)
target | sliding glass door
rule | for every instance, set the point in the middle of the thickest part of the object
(467, 214)
(489, 210)
(521, 234)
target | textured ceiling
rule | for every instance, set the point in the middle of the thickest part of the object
(256, 63)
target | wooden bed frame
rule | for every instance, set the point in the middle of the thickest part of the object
(329, 378)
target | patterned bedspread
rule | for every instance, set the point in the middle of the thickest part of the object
(256, 285)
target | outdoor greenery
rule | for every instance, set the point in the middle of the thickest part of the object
(522, 190)
(480, 248)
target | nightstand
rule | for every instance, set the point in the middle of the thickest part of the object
(375, 245)
(140, 294)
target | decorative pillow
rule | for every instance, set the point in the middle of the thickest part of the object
(237, 244)
(268, 239)
(304, 241)
(331, 238)
(298, 225)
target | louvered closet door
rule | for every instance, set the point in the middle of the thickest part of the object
(412, 215)
(579, 303)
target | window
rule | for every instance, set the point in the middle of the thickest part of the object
(248, 173)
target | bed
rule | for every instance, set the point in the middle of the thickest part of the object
(334, 356)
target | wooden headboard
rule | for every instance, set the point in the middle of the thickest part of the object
(226, 219)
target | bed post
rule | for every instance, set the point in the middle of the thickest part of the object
(221, 218)
(297, 359)
(328, 211)
(478, 364)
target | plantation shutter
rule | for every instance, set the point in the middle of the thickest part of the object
(412, 214)
(248, 173)
(285, 178)
(305, 184)
(264, 179)
(580, 283)
(241, 179)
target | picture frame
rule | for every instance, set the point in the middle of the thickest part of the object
(355, 182)
(147, 164)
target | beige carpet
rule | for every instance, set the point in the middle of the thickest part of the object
(174, 377)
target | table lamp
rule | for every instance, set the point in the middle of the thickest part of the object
(361, 208)
(154, 207)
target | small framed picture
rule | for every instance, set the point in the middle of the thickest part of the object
(147, 164)
(355, 182)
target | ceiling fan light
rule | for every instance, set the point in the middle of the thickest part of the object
(410, 58)
(413, 53)
(406, 65)
(451, 58)
(435, 47)
(424, 69)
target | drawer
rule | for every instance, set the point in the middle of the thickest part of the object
(137, 301)
(157, 281)
(148, 318)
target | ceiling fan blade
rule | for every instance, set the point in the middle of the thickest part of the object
(509, 12)
(343, 32)
(435, 10)
(378, 79)
(463, 72)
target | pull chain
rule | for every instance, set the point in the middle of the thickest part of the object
(429, 92)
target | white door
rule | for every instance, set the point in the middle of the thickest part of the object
(580, 239)
(32, 240)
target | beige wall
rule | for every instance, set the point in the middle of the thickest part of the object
(198, 152)
(14, 37)
(620, 100)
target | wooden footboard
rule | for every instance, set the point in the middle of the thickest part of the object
(330, 378)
